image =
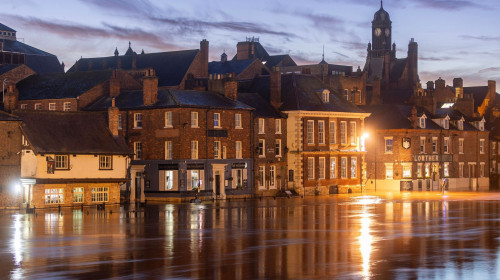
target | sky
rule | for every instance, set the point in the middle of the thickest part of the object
(456, 38)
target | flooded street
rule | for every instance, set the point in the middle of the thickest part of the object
(424, 236)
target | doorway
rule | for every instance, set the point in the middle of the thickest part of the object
(217, 185)
(138, 177)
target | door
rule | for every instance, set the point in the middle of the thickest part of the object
(472, 175)
(138, 185)
(217, 185)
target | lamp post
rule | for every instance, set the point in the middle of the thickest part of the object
(365, 136)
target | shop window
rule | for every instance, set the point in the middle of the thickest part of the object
(100, 194)
(54, 196)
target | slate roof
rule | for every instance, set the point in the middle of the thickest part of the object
(60, 85)
(4, 27)
(263, 109)
(397, 68)
(4, 116)
(478, 93)
(41, 62)
(170, 67)
(274, 60)
(301, 92)
(396, 96)
(230, 66)
(71, 133)
(171, 98)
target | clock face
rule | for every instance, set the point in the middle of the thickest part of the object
(387, 32)
(378, 32)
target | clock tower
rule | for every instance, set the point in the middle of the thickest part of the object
(381, 33)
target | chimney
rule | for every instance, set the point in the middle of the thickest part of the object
(440, 83)
(231, 87)
(204, 57)
(114, 85)
(11, 97)
(492, 90)
(150, 88)
(430, 85)
(458, 82)
(414, 117)
(275, 90)
(113, 118)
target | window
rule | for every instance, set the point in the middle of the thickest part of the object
(493, 147)
(434, 145)
(481, 169)
(262, 148)
(321, 132)
(224, 152)
(332, 133)
(137, 120)
(310, 132)
(388, 145)
(194, 149)
(389, 171)
(481, 146)
(272, 176)
(120, 122)
(262, 174)
(427, 170)
(24, 106)
(333, 168)
(461, 169)
(54, 196)
(237, 120)
(277, 149)
(216, 120)
(78, 195)
(67, 106)
(461, 145)
(343, 133)
(52, 106)
(217, 154)
(105, 162)
(321, 167)
(353, 133)
(238, 149)
(168, 150)
(277, 126)
(194, 119)
(446, 169)
(138, 150)
(461, 125)
(422, 122)
(406, 170)
(325, 96)
(346, 94)
(38, 106)
(446, 145)
(354, 167)
(481, 125)
(310, 168)
(168, 119)
(419, 170)
(62, 162)
(195, 179)
(343, 168)
(261, 126)
(422, 145)
(168, 179)
(446, 124)
(100, 194)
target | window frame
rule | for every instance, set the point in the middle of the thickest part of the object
(310, 132)
(321, 132)
(332, 133)
(238, 150)
(261, 126)
(194, 119)
(217, 120)
(194, 149)
(237, 121)
(105, 162)
(262, 148)
(59, 162)
(461, 143)
(322, 168)
(310, 169)
(343, 133)
(169, 150)
(277, 148)
(333, 167)
(100, 194)
(169, 123)
(352, 133)
(277, 126)
(217, 150)
(386, 146)
(52, 106)
(138, 120)
(137, 150)
(354, 167)
(343, 168)
(67, 106)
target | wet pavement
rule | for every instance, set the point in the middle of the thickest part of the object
(409, 236)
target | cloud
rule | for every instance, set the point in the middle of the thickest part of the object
(481, 38)
(341, 54)
(490, 69)
(449, 4)
(433, 58)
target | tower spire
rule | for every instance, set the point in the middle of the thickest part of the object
(381, 4)
(323, 56)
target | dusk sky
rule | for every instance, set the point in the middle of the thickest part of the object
(456, 38)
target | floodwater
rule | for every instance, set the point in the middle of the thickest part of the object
(409, 236)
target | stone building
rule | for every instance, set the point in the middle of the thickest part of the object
(186, 142)
(324, 152)
(411, 148)
(71, 159)
(10, 160)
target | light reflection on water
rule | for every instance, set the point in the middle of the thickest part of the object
(350, 237)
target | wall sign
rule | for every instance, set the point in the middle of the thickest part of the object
(406, 142)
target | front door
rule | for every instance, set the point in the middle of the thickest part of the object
(217, 185)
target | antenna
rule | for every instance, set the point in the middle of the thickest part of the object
(381, 4)
(323, 56)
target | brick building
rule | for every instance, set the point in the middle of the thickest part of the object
(71, 159)
(10, 160)
(414, 149)
(325, 153)
(185, 141)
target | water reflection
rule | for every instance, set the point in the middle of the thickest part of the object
(338, 237)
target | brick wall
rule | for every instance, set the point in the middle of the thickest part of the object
(10, 158)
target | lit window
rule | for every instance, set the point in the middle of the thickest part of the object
(419, 170)
(217, 120)
(446, 145)
(168, 150)
(262, 148)
(388, 145)
(461, 169)
(343, 133)
(321, 168)
(67, 106)
(354, 167)
(196, 181)
(321, 132)
(407, 170)
(194, 119)
(194, 149)
(261, 176)
(310, 168)
(52, 106)
(427, 170)
(389, 171)
(333, 168)
(422, 145)
(137, 150)
(446, 169)
(353, 133)
(137, 120)
(100, 194)
(272, 176)
(343, 168)
(38, 106)
(481, 146)
(168, 119)
(261, 126)
(217, 151)
(62, 162)
(481, 169)
(277, 150)
(310, 132)
(277, 124)
(332, 133)
(54, 196)
(105, 162)
(422, 122)
(434, 145)
(325, 96)
(78, 195)
(238, 150)
(237, 120)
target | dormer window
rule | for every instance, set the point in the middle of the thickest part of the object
(422, 122)
(481, 125)
(446, 124)
(460, 125)
(325, 96)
